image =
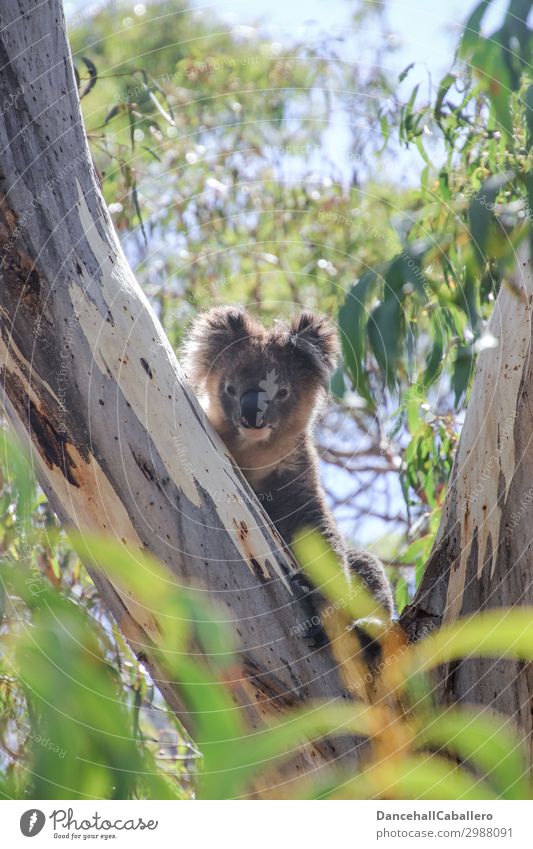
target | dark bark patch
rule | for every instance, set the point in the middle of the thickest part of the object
(268, 687)
(147, 368)
(242, 532)
(471, 601)
(450, 676)
(500, 499)
(146, 468)
(51, 443)
(417, 623)
(20, 276)
(258, 572)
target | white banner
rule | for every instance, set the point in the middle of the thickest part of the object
(267, 824)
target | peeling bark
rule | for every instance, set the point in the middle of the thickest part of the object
(482, 557)
(120, 445)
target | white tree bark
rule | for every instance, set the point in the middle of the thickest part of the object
(120, 445)
(482, 557)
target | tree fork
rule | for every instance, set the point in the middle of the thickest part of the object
(119, 443)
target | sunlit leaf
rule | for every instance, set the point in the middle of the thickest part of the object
(483, 741)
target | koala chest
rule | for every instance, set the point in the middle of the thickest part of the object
(291, 502)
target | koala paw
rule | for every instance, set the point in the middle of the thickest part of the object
(368, 632)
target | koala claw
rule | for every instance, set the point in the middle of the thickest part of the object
(317, 636)
(314, 630)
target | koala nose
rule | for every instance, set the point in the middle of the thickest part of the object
(251, 415)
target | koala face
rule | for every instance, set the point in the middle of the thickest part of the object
(260, 385)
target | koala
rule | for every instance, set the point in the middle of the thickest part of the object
(262, 390)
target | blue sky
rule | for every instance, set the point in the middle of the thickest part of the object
(422, 32)
(426, 31)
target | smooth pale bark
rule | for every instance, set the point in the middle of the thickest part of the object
(483, 551)
(120, 445)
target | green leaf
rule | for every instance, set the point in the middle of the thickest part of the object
(528, 111)
(435, 358)
(413, 398)
(17, 470)
(462, 372)
(266, 746)
(445, 84)
(385, 331)
(93, 76)
(483, 740)
(414, 777)
(405, 71)
(385, 131)
(337, 384)
(419, 549)
(352, 320)
(480, 214)
(318, 560)
(401, 594)
(80, 741)
(472, 27)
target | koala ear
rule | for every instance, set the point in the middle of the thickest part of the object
(211, 334)
(316, 336)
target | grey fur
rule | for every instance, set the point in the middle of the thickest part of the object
(227, 353)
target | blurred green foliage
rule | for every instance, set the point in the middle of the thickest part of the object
(70, 720)
(433, 297)
(77, 716)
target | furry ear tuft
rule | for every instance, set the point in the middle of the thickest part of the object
(316, 336)
(211, 334)
(228, 319)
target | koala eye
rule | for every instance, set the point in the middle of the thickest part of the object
(231, 390)
(282, 393)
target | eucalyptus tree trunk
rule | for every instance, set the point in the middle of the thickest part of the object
(483, 555)
(120, 445)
